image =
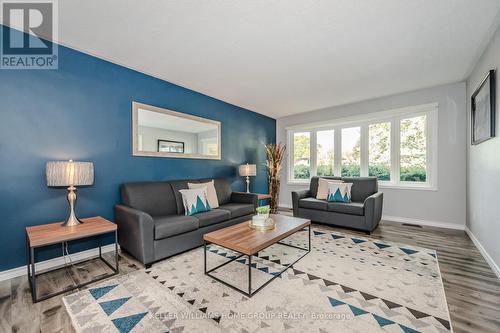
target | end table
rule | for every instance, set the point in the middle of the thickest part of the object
(48, 234)
(263, 197)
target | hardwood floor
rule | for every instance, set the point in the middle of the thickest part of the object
(472, 289)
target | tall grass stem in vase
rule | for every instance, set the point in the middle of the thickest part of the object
(274, 161)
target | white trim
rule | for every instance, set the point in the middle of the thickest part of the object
(366, 117)
(416, 186)
(363, 121)
(427, 223)
(485, 254)
(291, 159)
(285, 205)
(408, 220)
(304, 182)
(55, 262)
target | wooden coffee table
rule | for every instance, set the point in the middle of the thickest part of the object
(248, 242)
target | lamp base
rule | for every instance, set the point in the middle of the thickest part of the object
(248, 184)
(72, 220)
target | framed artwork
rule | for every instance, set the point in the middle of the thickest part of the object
(483, 110)
(167, 146)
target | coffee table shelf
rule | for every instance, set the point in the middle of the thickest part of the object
(248, 242)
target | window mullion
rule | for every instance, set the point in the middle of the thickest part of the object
(364, 150)
(313, 153)
(290, 155)
(431, 148)
(395, 150)
(337, 170)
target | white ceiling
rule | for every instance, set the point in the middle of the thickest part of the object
(286, 56)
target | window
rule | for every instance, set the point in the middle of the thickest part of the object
(398, 147)
(301, 155)
(351, 152)
(325, 141)
(413, 151)
(379, 151)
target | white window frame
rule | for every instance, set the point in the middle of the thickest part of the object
(363, 121)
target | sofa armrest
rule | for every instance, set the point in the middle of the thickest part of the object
(373, 210)
(296, 196)
(243, 197)
(135, 232)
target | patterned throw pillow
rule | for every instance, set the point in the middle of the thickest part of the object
(322, 193)
(339, 192)
(195, 201)
(211, 193)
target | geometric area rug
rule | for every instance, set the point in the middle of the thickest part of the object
(345, 284)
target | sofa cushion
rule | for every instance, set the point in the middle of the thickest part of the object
(211, 193)
(178, 185)
(339, 192)
(362, 187)
(313, 203)
(238, 209)
(167, 226)
(351, 208)
(195, 201)
(214, 216)
(323, 183)
(154, 198)
(313, 186)
(223, 189)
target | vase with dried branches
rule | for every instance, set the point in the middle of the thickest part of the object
(274, 160)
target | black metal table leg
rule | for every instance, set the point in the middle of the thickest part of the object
(309, 238)
(205, 256)
(250, 275)
(116, 252)
(275, 275)
(32, 274)
(28, 259)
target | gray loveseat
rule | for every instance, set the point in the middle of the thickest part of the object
(363, 213)
(151, 221)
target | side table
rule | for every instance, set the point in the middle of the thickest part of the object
(48, 234)
(263, 197)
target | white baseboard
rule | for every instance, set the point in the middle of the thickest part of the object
(427, 223)
(285, 205)
(409, 220)
(485, 254)
(56, 262)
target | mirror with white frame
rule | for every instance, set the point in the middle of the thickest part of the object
(164, 133)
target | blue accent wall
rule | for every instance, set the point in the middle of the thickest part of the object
(82, 111)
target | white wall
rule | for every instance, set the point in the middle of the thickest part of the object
(445, 206)
(151, 135)
(204, 138)
(483, 173)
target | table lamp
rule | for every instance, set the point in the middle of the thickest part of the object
(71, 174)
(247, 170)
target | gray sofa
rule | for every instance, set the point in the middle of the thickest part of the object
(151, 221)
(363, 213)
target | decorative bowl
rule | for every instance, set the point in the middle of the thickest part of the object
(262, 223)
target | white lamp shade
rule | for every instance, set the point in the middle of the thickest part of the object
(69, 173)
(246, 170)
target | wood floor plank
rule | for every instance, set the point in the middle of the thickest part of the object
(52, 313)
(5, 306)
(25, 315)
